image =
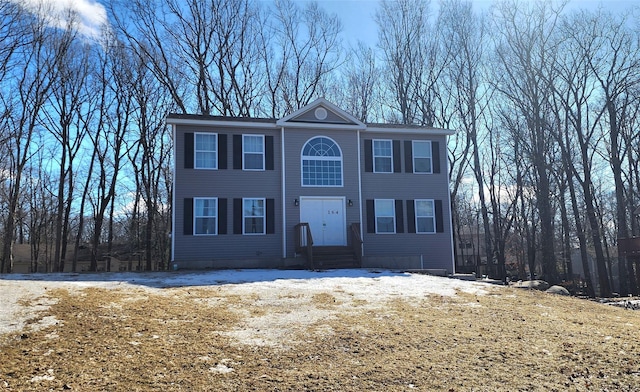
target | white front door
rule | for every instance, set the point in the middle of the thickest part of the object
(326, 219)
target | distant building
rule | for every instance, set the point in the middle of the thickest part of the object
(471, 255)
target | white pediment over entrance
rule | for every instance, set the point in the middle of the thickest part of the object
(320, 112)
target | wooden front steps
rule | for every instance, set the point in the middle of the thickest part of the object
(334, 257)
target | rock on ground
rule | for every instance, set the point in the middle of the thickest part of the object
(558, 290)
(532, 284)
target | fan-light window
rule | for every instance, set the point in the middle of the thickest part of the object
(321, 163)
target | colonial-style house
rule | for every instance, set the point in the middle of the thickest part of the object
(315, 189)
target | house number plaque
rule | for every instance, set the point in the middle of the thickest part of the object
(332, 212)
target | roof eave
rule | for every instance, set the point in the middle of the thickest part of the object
(220, 123)
(422, 131)
(312, 125)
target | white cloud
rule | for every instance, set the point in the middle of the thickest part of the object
(92, 16)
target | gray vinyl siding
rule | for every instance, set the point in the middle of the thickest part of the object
(294, 141)
(220, 250)
(400, 250)
(332, 118)
(434, 249)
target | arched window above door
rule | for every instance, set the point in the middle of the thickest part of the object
(321, 163)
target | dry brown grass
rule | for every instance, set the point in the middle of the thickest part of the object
(186, 339)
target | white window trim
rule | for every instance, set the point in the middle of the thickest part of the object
(195, 151)
(195, 233)
(264, 217)
(245, 152)
(375, 209)
(373, 154)
(433, 208)
(333, 159)
(413, 155)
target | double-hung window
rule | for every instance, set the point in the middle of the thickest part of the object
(422, 158)
(206, 151)
(253, 214)
(382, 156)
(253, 152)
(205, 216)
(385, 216)
(425, 216)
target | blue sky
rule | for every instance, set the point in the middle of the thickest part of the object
(357, 18)
(357, 15)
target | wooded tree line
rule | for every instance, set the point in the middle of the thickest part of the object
(544, 96)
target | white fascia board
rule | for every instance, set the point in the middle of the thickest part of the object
(221, 123)
(339, 112)
(311, 125)
(315, 104)
(420, 131)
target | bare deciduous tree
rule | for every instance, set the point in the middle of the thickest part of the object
(150, 159)
(114, 75)
(301, 48)
(525, 48)
(402, 30)
(362, 83)
(23, 99)
(615, 62)
(62, 120)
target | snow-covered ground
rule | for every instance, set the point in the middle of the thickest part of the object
(16, 290)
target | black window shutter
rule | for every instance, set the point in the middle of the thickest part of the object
(222, 151)
(188, 150)
(268, 151)
(237, 216)
(271, 221)
(411, 216)
(188, 216)
(368, 157)
(222, 216)
(237, 152)
(439, 218)
(435, 156)
(397, 159)
(399, 217)
(371, 217)
(408, 156)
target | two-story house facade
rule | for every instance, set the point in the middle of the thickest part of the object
(272, 193)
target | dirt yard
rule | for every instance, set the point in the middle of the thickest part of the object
(358, 332)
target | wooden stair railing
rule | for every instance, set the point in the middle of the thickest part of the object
(304, 242)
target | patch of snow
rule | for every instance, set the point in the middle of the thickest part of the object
(47, 377)
(627, 304)
(221, 368)
(24, 294)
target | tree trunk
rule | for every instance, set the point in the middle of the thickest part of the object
(60, 205)
(616, 167)
(85, 193)
(547, 240)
